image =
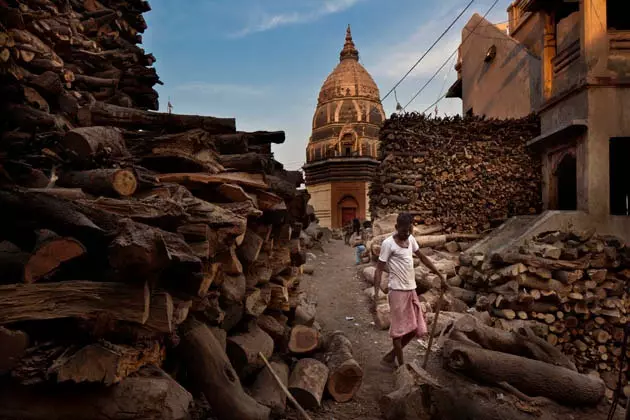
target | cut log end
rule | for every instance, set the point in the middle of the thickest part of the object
(345, 381)
(125, 183)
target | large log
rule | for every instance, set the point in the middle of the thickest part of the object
(101, 113)
(471, 331)
(274, 328)
(107, 182)
(242, 350)
(411, 398)
(86, 142)
(241, 142)
(267, 391)
(257, 300)
(105, 363)
(156, 397)
(78, 299)
(307, 382)
(213, 374)
(346, 374)
(532, 377)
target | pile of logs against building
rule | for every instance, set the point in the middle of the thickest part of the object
(140, 250)
(468, 174)
(572, 286)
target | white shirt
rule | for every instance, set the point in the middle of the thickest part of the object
(400, 263)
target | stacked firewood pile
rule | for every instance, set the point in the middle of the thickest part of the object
(469, 174)
(571, 286)
(73, 53)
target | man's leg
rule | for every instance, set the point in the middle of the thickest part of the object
(398, 350)
(404, 340)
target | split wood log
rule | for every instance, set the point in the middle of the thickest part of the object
(107, 182)
(532, 260)
(267, 391)
(230, 264)
(411, 399)
(258, 273)
(221, 335)
(87, 142)
(532, 377)
(210, 369)
(199, 179)
(304, 340)
(105, 363)
(242, 350)
(13, 345)
(346, 374)
(274, 328)
(50, 252)
(78, 299)
(279, 298)
(307, 382)
(257, 300)
(305, 313)
(249, 250)
(161, 313)
(150, 396)
(233, 288)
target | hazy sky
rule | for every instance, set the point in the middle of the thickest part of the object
(264, 61)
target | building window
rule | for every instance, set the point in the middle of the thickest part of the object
(619, 173)
(617, 15)
(318, 153)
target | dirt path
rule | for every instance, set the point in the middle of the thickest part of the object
(340, 297)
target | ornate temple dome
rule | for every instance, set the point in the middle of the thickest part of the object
(349, 112)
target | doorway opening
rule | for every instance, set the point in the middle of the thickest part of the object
(619, 150)
(348, 210)
(566, 183)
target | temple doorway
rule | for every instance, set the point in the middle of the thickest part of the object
(566, 183)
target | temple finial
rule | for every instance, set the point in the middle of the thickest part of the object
(349, 50)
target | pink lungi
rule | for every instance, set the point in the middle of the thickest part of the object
(405, 314)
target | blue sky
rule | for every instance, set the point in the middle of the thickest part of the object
(263, 61)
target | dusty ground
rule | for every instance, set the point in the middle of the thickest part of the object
(341, 305)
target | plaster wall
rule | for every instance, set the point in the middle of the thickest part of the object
(320, 200)
(506, 87)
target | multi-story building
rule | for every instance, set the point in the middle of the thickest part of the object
(569, 62)
(341, 155)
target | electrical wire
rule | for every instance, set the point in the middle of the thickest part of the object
(427, 51)
(450, 56)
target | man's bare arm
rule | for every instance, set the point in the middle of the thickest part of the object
(380, 267)
(427, 262)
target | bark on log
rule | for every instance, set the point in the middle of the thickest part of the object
(267, 391)
(107, 182)
(274, 328)
(242, 349)
(213, 374)
(79, 299)
(307, 382)
(257, 300)
(105, 363)
(161, 313)
(156, 397)
(346, 374)
(303, 340)
(532, 377)
(233, 288)
(305, 313)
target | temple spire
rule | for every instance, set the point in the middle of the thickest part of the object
(349, 50)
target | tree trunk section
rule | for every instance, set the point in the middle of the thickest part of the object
(107, 182)
(345, 373)
(532, 377)
(243, 349)
(86, 142)
(250, 248)
(303, 340)
(307, 382)
(267, 391)
(51, 251)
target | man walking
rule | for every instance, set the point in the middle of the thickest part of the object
(406, 317)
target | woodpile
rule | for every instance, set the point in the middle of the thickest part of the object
(140, 252)
(468, 174)
(570, 287)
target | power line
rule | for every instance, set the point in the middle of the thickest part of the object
(427, 51)
(450, 56)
